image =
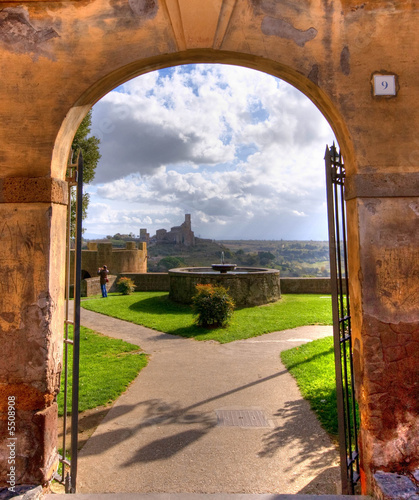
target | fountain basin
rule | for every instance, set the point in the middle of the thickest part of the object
(248, 286)
(223, 268)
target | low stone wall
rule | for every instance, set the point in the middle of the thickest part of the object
(305, 285)
(149, 282)
(91, 286)
(159, 282)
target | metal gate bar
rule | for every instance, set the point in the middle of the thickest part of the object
(76, 327)
(345, 387)
(69, 477)
(65, 477)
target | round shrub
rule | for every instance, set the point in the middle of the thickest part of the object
(212, 305)
(125, 286)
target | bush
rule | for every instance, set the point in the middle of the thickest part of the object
(212, 305)
(125, 286)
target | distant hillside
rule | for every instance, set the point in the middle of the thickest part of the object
(165, 256)
(292, 258)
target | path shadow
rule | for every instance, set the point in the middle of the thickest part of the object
(159, 412)
(162, 449)
(327, 482)
(156, 412)
(294, 429)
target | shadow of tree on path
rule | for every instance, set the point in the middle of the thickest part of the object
(158, 412)
(162, 449)
(305, 434)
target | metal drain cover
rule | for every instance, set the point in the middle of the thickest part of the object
(241, 418)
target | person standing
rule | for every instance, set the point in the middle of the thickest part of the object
(103, 273)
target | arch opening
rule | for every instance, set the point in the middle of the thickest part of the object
(322, 147)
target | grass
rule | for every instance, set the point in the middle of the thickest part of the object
(107, 366)
(155, 310)
(313, 367)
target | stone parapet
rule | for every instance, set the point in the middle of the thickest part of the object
(159, 282)
(91, 286)
(306, 285)
(149, 282)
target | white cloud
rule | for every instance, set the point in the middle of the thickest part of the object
(238, 149)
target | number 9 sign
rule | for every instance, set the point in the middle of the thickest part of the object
(384, 85)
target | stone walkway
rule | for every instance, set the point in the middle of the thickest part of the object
(163, 435)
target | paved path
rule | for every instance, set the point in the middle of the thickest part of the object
(162, 434)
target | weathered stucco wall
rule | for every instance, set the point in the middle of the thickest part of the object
(31, 325)
(59, 57)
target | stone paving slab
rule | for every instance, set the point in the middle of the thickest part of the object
(203, 496)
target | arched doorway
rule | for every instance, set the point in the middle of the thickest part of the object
(322, 145)
(120, 168)
(319, 48)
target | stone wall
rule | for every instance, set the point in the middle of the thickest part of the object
(149, 282)
(306, 285)
(91, 286)
(128, 259)
(160, 282)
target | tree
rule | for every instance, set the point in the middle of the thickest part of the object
(170, 263)
(89, 147)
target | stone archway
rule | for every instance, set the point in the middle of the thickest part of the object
(61, 57)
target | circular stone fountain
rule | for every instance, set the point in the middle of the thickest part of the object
(248, 286)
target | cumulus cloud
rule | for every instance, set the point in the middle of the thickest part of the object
(238, 149)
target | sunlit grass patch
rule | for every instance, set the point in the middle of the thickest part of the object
(155, 310)
(107, 367)
(313, 367)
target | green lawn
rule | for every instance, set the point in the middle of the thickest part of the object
(313, 367)
(107, 366)
(155, 310)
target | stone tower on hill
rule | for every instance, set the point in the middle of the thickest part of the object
(181, 235)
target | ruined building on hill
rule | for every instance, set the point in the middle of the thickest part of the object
(181, 235)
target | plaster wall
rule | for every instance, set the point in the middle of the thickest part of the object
(57, 58)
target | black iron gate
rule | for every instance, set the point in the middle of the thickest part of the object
(345, 387)
(68, 474)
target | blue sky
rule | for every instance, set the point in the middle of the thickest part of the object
(240, 150)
